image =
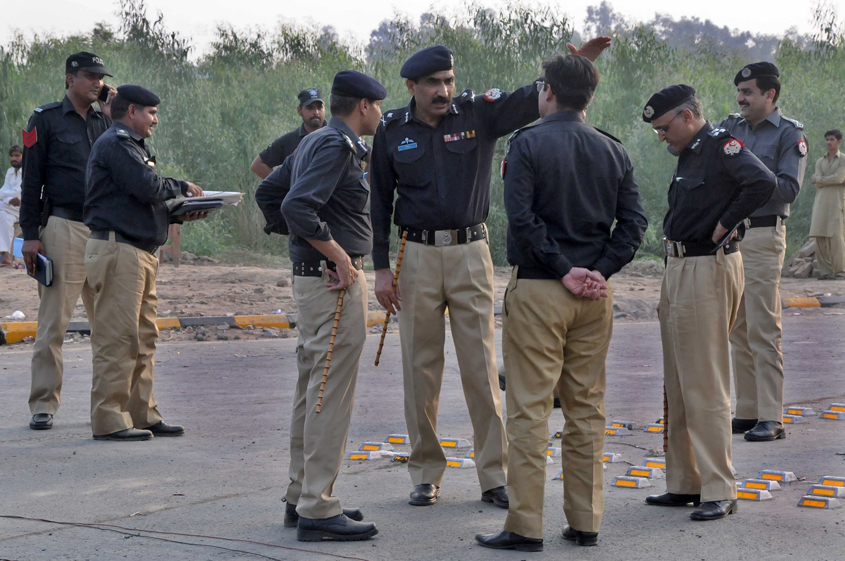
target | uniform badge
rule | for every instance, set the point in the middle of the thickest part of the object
(447, 238)
(716, 132)
(74, 64)
(802, 148)
(493, 94)
(407, 144)
(30, 138)
(746, 72)
(312, 93)
(732, 147)
(648, 112)
(458, 136)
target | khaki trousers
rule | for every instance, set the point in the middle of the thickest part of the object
(64, 242)
(123, 335)
(555, 341)
(699, 302)
(756, 336)
(318, 441)
(459, 277)
(830, 255)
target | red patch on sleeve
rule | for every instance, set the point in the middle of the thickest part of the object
(732, 147)
(30, 138)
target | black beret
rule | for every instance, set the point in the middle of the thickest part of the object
(309, 96)
(665, 100)
(756, 70)
(138, 95)
(427, 61)
(350, 83)
(85, 61)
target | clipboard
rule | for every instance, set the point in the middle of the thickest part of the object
(43, 270)
(188, 205)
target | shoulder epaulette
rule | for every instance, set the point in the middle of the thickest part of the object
(718, 133)
(511, 138)
(608, 135)
(393, 115)
(348, 142)
(122, 134)
(734, 116)
(465, 97)
(48, 106)
(798, 124)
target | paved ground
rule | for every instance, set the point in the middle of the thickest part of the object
(226, 476)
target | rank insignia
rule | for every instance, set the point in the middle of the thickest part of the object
(732, 147)
(746, 72)
(30, 138)
(407, 144)
(458, 136)
(648, 112)
(493, 95)
(802, 148)
(152, 162)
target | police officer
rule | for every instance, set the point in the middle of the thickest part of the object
(57, 142)
(312, 110)
(437, 154)
(269, 196)
(327, 211)
(717, 184)
(566, 184)
(126, 212)
(756, 353)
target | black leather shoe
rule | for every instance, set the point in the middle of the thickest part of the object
(766, 431)
(714, 510)
(509, 540)
(741, 425)
(498, 496)
(163, 429)
(292, 517)
(338, 528)
(126, 434)
(425, 494)
(579, 537)
(41, 421)
(673, 499)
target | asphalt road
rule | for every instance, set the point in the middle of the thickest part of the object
(226, 476)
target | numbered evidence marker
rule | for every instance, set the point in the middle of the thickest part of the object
(616, 431)
(813, 501)
(631, 482)
(460, 463)
(455, 443)
(779, 476)
(647, 472)
(760, 484)
(398, 439)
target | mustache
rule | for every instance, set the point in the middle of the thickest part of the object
(440, 99)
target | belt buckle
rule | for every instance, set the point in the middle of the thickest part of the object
(673, 249)
(445, 238)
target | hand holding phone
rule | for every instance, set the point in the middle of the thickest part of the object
(105, 94)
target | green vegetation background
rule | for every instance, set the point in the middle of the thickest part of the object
(221, 109)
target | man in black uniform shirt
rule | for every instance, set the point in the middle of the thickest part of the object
(566, 184)
(437, 155)
(126, 212)
(717, 184)
(328, 213)
(57, 142)
(312, 110)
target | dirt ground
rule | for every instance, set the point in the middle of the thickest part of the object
(219, 290)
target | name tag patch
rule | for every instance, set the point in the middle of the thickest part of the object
(407, 144)
(458, 136)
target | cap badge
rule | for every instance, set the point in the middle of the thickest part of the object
(74, 63)
(98, 60)
(746, 72)
(648, 111)
(313, 93)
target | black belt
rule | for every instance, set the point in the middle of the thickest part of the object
(693, 249)
(67, 213)
(315, 268)
(535, 273)
(763, 221)
(120, 238)
(441, 238)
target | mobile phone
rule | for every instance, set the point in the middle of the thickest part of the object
(105, 94)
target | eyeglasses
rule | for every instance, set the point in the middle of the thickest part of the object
(541, 85)
(665, 128)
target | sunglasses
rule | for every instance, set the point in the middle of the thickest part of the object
(541, 85)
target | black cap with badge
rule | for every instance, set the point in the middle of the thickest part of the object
(351, 83)
(665, 100)
(756, 70)
(85, 61)
(309, 96)
(138, 95)
(427, 62)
